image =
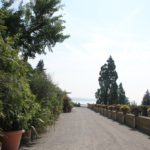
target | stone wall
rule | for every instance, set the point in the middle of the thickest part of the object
(140, 122)
(114, 115)
(120, 117)
(143, 123)
(130, 120)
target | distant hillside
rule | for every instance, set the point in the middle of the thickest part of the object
(83, 100)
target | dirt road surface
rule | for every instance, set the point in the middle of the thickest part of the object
(83, 129)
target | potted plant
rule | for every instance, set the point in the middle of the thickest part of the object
(135, 110)
(117, 107)
(125, 109)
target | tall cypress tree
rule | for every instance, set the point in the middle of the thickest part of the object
(104, 84)
(112, 78)
(108, 87)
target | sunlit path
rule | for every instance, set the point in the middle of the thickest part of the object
(84, 129)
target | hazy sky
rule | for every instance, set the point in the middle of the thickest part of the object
(98, 29)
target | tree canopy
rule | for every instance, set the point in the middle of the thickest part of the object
(109, 92)
(36, 24)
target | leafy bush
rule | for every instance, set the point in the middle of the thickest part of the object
(111, 107)
(117, 107)
(125, 108)
(135, 110)
(15, 95)
(48, 95)
(143, 110)
(67, 104)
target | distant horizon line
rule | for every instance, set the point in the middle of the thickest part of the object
(81, 98)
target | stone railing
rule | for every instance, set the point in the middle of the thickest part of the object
(139, 122)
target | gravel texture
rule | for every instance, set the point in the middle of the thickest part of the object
(83, 129)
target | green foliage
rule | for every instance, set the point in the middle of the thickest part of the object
(27, 31)
(107, 93)
(111, 107)
(67, 104)
(37, 25)
(17, 100)
(122, 99)
(48, 95)
(136, 110)
(40, 66)
(143, 109)
(125, 108)
(146, 98)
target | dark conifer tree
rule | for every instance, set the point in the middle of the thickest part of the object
(112, 78)
(40, 66)
(107, 93)
(122, 99)
(146, 98)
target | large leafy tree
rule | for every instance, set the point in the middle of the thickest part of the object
(107, 93)
(36, 24)
(146, 98)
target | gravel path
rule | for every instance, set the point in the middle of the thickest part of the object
(84, 129)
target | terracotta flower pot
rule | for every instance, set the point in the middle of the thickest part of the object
(11, 140)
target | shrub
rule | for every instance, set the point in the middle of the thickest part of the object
(135, 110)
(111, 107)
(104, 106)
(117, 107)
(143, 110)
(67, 104)
(125, 108)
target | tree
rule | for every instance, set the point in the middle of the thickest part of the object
(97, 96)
(36, 25)
(146, 98)
(107, 93)
(122, 99)
(40, 66)
(103, 82)
(112, 78)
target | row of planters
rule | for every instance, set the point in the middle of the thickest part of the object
(143, 110)
(125, 114)
(29, 100)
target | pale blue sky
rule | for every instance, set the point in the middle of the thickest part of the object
(98, 29)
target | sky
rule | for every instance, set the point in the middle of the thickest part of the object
(98, 29)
